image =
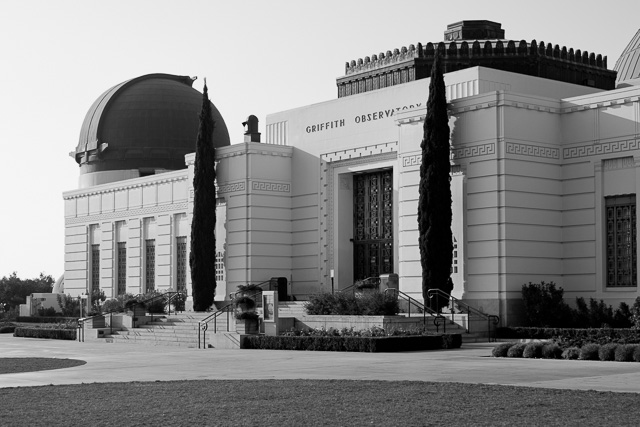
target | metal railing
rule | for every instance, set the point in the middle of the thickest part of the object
(437, 295)
(419, 307)
(169, 296)
(252, 292)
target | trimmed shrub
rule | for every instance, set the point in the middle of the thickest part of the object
(337, 343)
(624, 352)
(590, 352)
(56, 334)
(572, 337)
(533, 350)
(501, 349)
(571, 353)
(451, 341)
(607, 352)
(516, 350)
(7, 329)
(347, 304)
(37, 319)
(636, 354)
(551, 351)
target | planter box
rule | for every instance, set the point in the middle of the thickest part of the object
(247, 327)
(358, 322)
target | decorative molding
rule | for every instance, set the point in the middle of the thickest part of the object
(409, 161)
(80, 193)
(327, 198)
(232, 187)
(277, 187)
(354, 153)
(268, 150)
(619, 163)
(600, 148)
(473, 151)
(119, 215)
(533, 150)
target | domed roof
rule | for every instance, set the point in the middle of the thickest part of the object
(148, 123)
(628, 65)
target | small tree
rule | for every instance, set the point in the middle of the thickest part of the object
(203, 225)
(434, 205)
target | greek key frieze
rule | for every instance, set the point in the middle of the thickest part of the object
(409, 161)
(533, 150)
(476, 150)
(600, 148)
(230, 188)
(276, 187)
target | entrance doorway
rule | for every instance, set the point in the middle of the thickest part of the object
(373, 224)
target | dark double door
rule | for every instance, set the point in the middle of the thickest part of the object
(373, 224)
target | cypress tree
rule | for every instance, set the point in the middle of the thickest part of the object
(434, 205)
(203, 224)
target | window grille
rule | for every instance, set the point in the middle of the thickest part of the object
(95, 268)
(621, 241)
(122, 268)
(181, 264)
(150, 264)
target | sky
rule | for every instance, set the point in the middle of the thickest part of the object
(258, 56)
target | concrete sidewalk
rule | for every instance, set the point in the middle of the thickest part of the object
(470, 364)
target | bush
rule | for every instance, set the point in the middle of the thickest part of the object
(544, 306)
(116, 305)
(57, 334)
(551, 351)
(47, 312)
(501, 349)
(69, 305)
(516, 350)
(607, 352)
(624, 352)
(533, 350)
(636, 354)
(571, 353)
(573, 337)
(590, 352)
(347, 304)
(5, 329)
(359, 344)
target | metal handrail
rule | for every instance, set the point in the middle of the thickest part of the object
(491, 318)
(412, 301)
(172, 294)
(203, 325)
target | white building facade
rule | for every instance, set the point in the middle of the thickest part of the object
(544, 178)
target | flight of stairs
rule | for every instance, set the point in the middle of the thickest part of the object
(176, 330)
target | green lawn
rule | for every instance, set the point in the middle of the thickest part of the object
(311, 403)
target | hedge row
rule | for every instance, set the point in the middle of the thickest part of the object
(591, 351)
(56, 334)
(359, 344)
(43, 319)
(573, 337)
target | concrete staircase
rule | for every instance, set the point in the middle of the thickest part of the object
(176, 330)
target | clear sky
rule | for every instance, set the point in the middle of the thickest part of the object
(259, 57)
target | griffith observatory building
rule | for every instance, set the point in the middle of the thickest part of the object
(545, 155)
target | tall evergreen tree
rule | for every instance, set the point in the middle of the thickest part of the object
(434, 205)
(203, 224)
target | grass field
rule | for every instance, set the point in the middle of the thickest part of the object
(311, 403)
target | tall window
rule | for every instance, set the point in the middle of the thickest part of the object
(219, 267)
(181, 264)
(621, 241)
(95, 268)
(122, 268)
(150, 264)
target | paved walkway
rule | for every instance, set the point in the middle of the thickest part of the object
(470, 364)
